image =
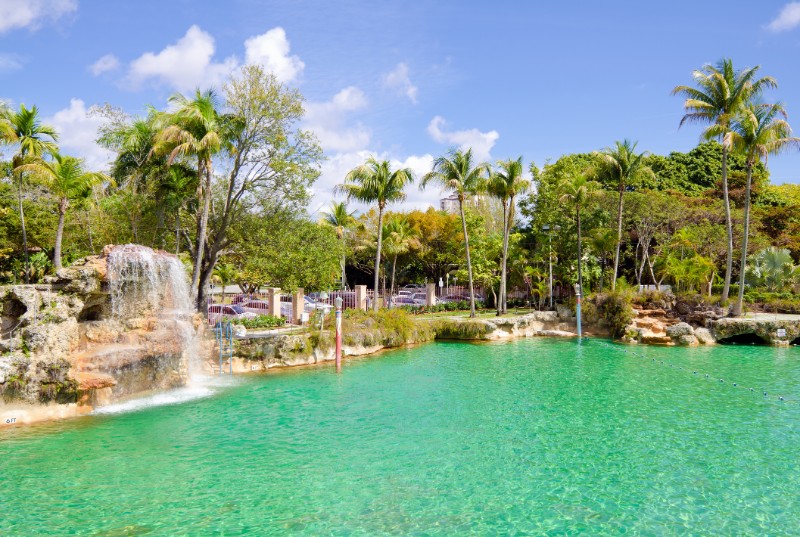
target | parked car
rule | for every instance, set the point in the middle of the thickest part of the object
(402, 300)
(311, 305)
(225, 311)
(420, 299)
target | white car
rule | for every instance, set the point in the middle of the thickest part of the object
(230, 312)
(261, 307)
(420, 299)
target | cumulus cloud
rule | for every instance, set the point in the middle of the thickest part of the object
(109, 62)
(77, 133)
(480, 142)
(271, 50)
(185, 65)
(788, 18)
(399, 81)
(336, 167)
(190, 63)
(31, 13)
(10, 62)
(328, 120)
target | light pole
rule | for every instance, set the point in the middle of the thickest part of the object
(578, 308)
(338, 303)
(546, 229)
(441, 285)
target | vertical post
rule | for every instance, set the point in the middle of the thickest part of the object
(298, 306)
(578, 308)
(361, 297)
(430, 294)
(274, 301)
(338, 303)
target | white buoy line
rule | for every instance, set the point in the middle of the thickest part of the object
(694, 372)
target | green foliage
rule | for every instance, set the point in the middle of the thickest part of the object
(773, 268)
(615, 310)
(389, 328)
(262, 321)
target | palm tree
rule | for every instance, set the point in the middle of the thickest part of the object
(174, 191)
(225, 273)
(195, 129)
(760, 130)
(400, 238)
(721, 93)
(375, 182)
(621, 164)
(603, 242)
(577, 191)
(25, 130)
(456, 173)
(65, 177)
(340, 220)
(773, 267)
(506, 184)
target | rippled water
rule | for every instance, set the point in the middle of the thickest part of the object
(531, 437)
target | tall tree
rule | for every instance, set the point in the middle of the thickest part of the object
(25, 130)
(457, 173)
(400, 238)
(65, 177)
(341, 221)
(375, 182)
(720, 93)
(759, 131)
(506, 183)
(576, 191)
(621, 164)
(195, 129)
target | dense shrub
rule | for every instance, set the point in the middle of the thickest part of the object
(615, 309)
(461, 305)
(390, 328)
(261, 321)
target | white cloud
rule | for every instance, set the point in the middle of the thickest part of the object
(480, 142)
(328, 120)
(30, 13)
(788, 18)
(185, 65)
(10, 62)
(189, 63)
(399, 81)
(336, 167)
(272, 51)
(109, 62)
(77, 133)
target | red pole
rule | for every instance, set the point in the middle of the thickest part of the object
(338, 335)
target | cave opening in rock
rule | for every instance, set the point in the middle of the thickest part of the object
(13, 309)
(744, 339)
(91, 313)
(795, 341)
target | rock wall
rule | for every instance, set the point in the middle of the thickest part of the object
(62, 352)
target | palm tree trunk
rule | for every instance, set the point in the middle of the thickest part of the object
(178, 231)
(469, 261)
(602, 270)
(89, 228)
(344, 260)
(201, 231)
(24, 231)
(619, 236)
(62, 211)
(737, 310)
(728, 226)
(501, 300)
(391, 287)
(378, 257)
(580, 275)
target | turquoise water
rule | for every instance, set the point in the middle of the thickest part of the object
(534, 437)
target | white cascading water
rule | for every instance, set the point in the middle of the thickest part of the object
(145, 282)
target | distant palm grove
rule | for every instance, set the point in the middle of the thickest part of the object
(222, 178)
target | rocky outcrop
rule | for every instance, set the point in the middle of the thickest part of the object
(777, 330)
(62, 344)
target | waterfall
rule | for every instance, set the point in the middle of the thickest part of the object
(146, 283)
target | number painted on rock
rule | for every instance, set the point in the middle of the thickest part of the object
(11, 420)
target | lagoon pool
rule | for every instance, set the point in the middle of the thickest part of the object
(532, 437)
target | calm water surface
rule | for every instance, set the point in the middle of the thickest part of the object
(535, 437)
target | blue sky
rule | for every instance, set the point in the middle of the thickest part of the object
(406, 80)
